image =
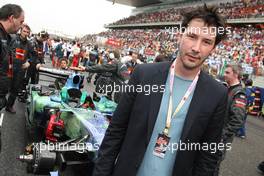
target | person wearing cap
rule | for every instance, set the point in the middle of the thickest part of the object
(185, 106)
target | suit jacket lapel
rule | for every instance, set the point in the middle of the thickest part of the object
(199, 94)
(155, 101)
(155, 98)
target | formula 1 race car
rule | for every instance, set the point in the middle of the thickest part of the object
(65, 127)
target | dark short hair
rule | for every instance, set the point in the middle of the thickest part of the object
(130, 52)
(249, 82)
(211, 18)
(10, 9)
(116, 54)
(64, 59)
(161, 58)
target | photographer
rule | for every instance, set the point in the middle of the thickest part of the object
(114, 72)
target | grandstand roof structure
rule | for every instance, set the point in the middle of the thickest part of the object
(142, 3)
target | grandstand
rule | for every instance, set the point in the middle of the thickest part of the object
(149, 29)
(169, 12)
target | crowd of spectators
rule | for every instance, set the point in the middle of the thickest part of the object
(230, 10)
(243, 44)
(242, 9)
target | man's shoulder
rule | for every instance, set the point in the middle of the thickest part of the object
(14, 36)
(239, 91)
(15, 39)
(213, 84)
(2, 34)
(153, 68)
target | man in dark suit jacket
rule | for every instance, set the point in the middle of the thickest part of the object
(128, 146)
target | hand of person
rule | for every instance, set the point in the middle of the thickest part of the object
(38, 66)
(82, 68)
(76, 68)
(25, 65)
(139, 61)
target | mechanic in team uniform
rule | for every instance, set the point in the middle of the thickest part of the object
(236, 108)
(20, 50)
(37, 57)
(11, 19)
